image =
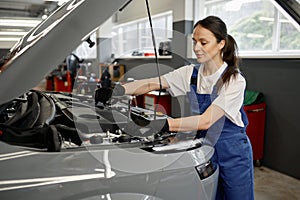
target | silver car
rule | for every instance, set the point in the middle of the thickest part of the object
(56, 145)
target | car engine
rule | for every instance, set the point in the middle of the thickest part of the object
(57, 121)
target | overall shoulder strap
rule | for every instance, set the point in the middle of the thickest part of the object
(194, 76)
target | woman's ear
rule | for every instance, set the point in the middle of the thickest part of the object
(221, 44)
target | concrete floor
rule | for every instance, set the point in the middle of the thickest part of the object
(272, 185)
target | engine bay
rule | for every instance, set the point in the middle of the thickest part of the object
(57, 121)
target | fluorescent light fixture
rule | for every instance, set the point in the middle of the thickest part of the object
(271, 19)
(59, 2)
(19, 22)
(253, 35)
(12, 33)
(9, 39)
(268, 19)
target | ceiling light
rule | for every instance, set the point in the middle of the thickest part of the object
(268, 19)
(59, 2)
(44, 17)
(9, 39)
(254, 35)
(12, 33)
(19, 22)
(271, 19)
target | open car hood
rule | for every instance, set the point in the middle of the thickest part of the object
(48, 44)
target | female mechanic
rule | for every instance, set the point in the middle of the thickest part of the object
(215, 88)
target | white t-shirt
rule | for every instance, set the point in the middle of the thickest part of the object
(230, 97)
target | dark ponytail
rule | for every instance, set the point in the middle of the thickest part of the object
(230, 56)
(229, 51)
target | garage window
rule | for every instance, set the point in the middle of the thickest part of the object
(261, 27)
(135, 36)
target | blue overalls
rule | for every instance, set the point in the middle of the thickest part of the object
(233, 151)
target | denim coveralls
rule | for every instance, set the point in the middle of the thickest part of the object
(233, 151)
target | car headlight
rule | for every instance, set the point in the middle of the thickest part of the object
(205, 170)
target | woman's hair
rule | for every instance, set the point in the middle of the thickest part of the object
(229, 51)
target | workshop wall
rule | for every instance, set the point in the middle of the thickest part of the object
(278, 79)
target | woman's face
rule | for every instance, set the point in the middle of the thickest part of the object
(206, 47)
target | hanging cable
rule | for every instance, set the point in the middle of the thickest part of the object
(156, 58)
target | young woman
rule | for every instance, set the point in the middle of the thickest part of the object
(216, 89)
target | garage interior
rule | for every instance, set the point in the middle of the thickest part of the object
(276, 77)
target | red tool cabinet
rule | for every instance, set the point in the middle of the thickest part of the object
(256, 114)
(64, 83)
(164, 104)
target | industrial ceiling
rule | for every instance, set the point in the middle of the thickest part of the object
(17, 17)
